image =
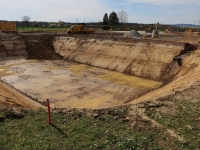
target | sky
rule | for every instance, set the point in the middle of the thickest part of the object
(139, 11)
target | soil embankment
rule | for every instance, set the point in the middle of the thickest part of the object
(12, 47)
(144, 58)
(12, 97)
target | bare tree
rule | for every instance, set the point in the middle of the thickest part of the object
(26, 19)
(123, 16)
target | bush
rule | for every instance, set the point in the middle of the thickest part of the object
(35, 24)
(52, 25)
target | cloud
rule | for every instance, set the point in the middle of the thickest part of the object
(52, 10)
(144, 11)
(141, 6)
(167, 2)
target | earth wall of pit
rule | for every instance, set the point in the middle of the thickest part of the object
(145, 59)
(151, 59)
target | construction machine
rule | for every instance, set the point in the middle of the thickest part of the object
(8, 26)
(80, 29)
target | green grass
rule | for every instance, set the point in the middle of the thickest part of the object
(185, 122)
(21, 28)
(33, 132)
(108, 131)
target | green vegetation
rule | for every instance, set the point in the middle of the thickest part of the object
(185, 121)
(78, 132)
(113, 18)
(22, 28)
(115, 128)
(105, 22)
(35, 24)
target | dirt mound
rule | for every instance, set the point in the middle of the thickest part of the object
(133, 34)
(41, 48)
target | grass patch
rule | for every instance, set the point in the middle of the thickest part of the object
(33, 132)
(185, 122)
(21, 28)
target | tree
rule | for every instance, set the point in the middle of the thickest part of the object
(35, 24)
(26, 19)
(61, 24)
(123, 16)
(52, 24)
(113, 19)
(105, 22)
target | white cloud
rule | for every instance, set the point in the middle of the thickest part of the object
(94, 10)
(53, 10)
(168, 2)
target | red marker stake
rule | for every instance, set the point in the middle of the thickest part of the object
(49, 115)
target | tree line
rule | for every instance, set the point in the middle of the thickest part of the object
(114, 18)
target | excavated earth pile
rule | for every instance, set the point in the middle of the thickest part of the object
(40, 47)
(12, 47)
(94, 71)
(133, 34)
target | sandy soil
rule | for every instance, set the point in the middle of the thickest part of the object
(10, 96)
(188, 76)
(146, 58)
(73, 85)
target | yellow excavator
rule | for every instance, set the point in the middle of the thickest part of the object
(8, 26)
(80, 29)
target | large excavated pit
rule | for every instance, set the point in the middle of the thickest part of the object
(94, 71)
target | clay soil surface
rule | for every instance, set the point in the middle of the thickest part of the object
(14, 98)
(73, 85)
